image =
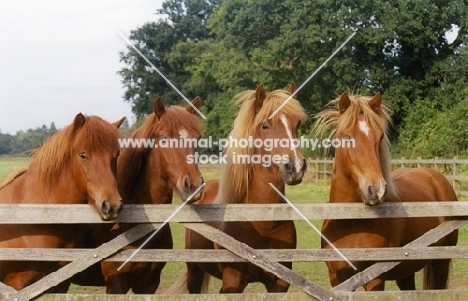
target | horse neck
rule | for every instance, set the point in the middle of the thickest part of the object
(343, 189)
(149, 186)
(30, 188)
(259, 190)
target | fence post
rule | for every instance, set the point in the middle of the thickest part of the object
(402, 162)
(436, 165)
(418, 164)
(316, 169)
(326, 175)
(455, 182)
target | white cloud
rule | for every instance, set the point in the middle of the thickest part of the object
(59, 58)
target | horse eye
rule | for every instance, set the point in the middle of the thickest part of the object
(163, 139)
(83, 156)
(347, 137)
(265, 126)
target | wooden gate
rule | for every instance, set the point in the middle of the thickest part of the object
(194, 216)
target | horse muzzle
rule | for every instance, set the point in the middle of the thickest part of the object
(375, 195)
(191, 189)
(110, 210)
(294, 170)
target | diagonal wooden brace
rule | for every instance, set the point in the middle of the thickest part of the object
(379, 268)
(250, 254)
(83, 262)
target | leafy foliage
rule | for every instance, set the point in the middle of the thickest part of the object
(216, 49)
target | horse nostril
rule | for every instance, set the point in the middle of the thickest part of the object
(304, 165)
(120, 206)
(373, 193)
(105, 207)
(289, 166)
(187, 183)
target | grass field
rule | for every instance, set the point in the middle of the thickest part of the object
(307, 192)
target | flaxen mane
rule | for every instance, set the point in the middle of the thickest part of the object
(330, 120)
(133, 159)
(235, 177)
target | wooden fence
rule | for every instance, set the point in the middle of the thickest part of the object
(194, 216)
(320, 170)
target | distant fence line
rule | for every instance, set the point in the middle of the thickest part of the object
(320, 169)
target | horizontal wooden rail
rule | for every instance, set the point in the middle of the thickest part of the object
(296, 255)
(86, 214)
(458, 294)
(323, 167)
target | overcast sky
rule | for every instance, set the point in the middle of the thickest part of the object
(59, 58)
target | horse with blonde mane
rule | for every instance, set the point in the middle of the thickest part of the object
(75, 166)
(362, 173)
(149, 175)
(249, 183)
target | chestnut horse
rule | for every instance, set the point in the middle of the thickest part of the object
(362, 173)
(75, 166)
(149, 175)
(249, 183)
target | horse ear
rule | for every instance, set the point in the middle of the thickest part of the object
(158, 107)
(376, 102)
(118, 123)
(79, 121)
(292, 88)
(260, 96)
(344, 102)
(195, 103)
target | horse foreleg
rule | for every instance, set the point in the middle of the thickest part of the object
(116, 282)
(235, 279)
(147, 281)
(194, 278)
(436, 274)
(274, 284)
(277, 286)
(406, 284)
(376, 284)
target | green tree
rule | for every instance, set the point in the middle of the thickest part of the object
(6, 143)
(185, 22)
(217, 49)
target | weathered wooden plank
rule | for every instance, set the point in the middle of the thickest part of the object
(259, 260)
(379, 268)
(430, 295)
(80, 264)
(183, 297)
(298, 255)
(53, 214)
(5, 289)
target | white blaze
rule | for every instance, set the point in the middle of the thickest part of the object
(297, 163)
(364, 127)
(183, 134)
